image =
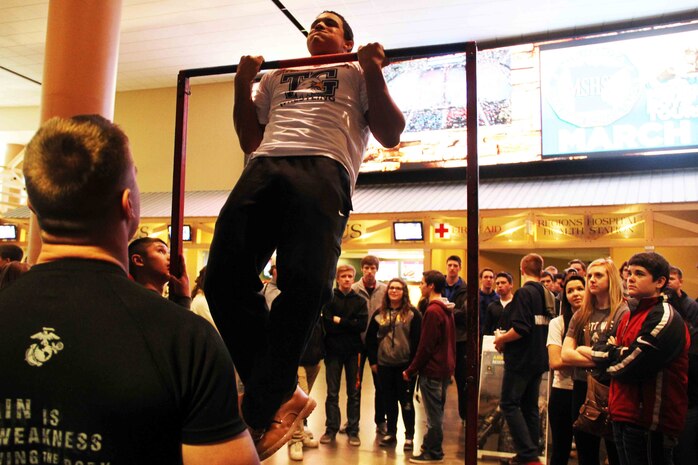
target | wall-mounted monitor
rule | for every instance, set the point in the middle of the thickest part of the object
(408, 231)
(8, 232)
(619, 94)
(186, 232)
(624, 94)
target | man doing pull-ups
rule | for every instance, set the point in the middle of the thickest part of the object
(305, 131)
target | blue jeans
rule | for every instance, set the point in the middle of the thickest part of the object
(639, 446)
(519, 403)
(379, 413)
(434, 397)
(333, 377)
(299, 207)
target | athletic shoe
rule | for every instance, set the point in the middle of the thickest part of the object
(387, 440)
(425, 457)
(409, 444)
(354, 440)
(309, 441)
(327, 438)
(382, 428)
(295, 450)
(286, 421)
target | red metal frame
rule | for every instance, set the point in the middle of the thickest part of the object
(180, 148)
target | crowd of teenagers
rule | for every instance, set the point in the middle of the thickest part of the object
(100, 368)
(629, 329)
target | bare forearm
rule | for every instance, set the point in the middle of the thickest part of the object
(247, 127)
(385, 119)
(571, 356)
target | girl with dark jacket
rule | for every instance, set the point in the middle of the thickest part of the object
(391, 342)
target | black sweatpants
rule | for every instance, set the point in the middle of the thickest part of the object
(299, 207)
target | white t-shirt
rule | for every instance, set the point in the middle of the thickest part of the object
(314, 111)
(199, 305)
(562, 379)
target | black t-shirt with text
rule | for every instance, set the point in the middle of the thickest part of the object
(98, 369)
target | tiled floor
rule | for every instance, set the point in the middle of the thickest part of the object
(370, 453)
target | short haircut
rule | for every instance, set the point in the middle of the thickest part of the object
(576, 260)
(343, 268)
(370, 260)
(653, 262)
(454, 258)
(140, 247)
(12, 252)
(559, 276)
(436, 278)
(532, 264)
(676, 270)
(11, 272)
(507, 276)
(348, 32)
(482, 271)
(548, 274)
(74, 169)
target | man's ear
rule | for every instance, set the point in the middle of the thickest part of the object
(137, 260)
(127, 205)
(348, 45)
(661, 282)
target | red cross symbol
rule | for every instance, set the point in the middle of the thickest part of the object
(442, 230)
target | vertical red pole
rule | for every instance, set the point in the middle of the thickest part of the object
(473, 175)
(178, 173)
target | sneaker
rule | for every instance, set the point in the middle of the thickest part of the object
(409, 444)
(354, 440)
(387, 440)
(424, 457)
(295, 450)
(309, 441)
(327, 438)
(343, 428)
(286, 421)
(382, 428)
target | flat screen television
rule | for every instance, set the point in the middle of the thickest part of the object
(8, 232)
(623, 94)
(408, 231)
(186, 232)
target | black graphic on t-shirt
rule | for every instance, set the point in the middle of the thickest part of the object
(311, 85)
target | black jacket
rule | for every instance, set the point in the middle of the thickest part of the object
(344, 338)
(460, 312)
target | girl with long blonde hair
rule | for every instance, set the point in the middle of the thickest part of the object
(601, 311)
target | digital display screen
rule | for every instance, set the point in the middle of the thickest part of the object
(431, 93)
(408, 231)
(186, 232)
(8, 232)
(625, 94)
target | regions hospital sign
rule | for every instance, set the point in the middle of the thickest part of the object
(545, 227)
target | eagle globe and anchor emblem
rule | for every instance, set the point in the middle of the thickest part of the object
(49, 343)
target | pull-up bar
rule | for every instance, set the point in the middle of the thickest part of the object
(473, 215)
